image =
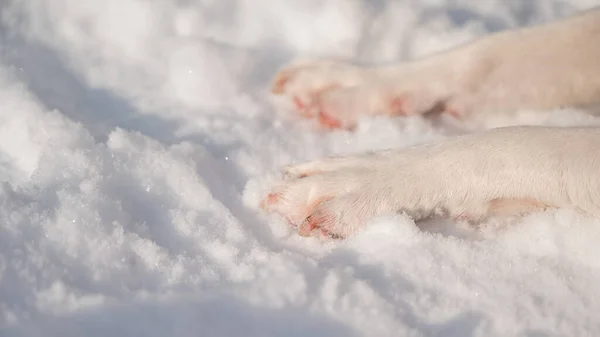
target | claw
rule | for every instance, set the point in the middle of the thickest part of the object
(328, 121)
(299, 104)
(308, 226)
(303, 109)
(280, 83)
(306, 230)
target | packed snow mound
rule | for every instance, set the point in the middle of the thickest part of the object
(136, 138)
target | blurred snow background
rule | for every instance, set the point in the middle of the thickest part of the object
(136, 135)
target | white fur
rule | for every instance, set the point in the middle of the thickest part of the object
(503, 171)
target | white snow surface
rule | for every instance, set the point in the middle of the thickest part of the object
(137, 137)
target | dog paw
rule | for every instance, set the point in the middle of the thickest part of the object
(468, 178)
(338, 94)
(335, 197)
(323, 90)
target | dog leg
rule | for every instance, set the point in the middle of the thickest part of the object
(338, 94)
(505, 171)
(541, 68)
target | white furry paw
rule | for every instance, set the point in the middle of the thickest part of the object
(335, 197)
(310, 86)
(502, 172)
(338, 94)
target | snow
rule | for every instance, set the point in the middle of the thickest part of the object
(136, 138)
